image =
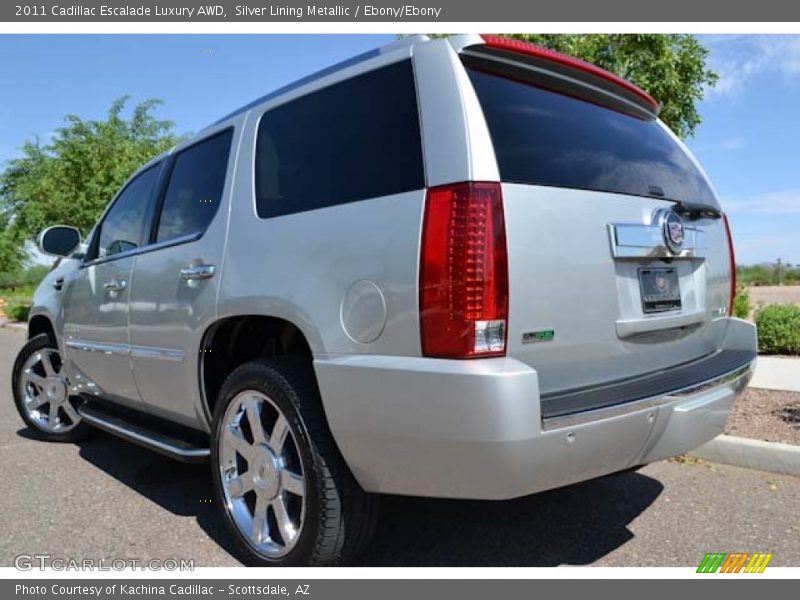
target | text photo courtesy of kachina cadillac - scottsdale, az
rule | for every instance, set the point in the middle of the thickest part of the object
(637, 214)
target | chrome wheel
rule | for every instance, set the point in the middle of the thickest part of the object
(45, 393)
(262, 474)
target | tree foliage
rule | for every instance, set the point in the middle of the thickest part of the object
(12, 253)
(670, 67)
(71, 179)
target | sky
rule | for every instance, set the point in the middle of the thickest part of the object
(748, 142)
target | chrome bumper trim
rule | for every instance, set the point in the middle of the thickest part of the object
(736, 379)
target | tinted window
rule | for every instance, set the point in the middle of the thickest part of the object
(195, 187)
(353, 140)
(541, 137)
(124, 225)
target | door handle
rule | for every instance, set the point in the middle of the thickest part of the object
(197, 272)
(116, 285)
(58, 284)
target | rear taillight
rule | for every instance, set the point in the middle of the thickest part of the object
(732, 257)
(464, 272)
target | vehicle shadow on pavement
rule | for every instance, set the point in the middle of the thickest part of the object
(180, 488)
(576, 525)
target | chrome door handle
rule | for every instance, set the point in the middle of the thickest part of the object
(197, 272)
(116, 285)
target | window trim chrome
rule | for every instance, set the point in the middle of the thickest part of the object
(192, 237)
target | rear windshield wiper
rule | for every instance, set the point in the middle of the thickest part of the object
(693, 210)
(689, 210)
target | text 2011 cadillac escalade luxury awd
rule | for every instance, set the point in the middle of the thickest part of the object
(465, 268)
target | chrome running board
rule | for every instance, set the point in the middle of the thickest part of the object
(167, 444)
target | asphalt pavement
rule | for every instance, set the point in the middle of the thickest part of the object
(106, 499)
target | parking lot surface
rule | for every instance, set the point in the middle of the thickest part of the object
(106, 499)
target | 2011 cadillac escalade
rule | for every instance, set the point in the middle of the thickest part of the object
(464, 268)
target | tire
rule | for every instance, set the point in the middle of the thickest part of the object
(41, 393)
(326, 518)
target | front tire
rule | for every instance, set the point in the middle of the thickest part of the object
(286, 493)
(41, 393)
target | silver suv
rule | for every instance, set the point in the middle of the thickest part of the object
(463, 268)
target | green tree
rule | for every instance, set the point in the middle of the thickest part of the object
(670, 67)
(71, 179)
(12, 252)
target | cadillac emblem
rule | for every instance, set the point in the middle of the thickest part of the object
(673, 231)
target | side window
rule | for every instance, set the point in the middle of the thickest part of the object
(353, 140)
(194, 191)
(123, 227)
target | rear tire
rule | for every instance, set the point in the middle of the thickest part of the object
(286, 494)
(41, 393)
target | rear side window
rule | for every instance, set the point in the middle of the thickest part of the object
(351, 141)
(194, 191)
(545, 138)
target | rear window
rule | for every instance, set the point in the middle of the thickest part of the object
(545, 138)
(351, 141)
(195, 187)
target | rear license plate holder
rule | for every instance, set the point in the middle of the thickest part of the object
(660, 289)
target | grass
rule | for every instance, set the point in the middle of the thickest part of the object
(758, 275)
(16, 291)
(25, 291)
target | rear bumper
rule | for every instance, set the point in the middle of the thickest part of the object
(474, 429)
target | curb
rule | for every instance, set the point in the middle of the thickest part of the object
(775, 457)
(777, 373)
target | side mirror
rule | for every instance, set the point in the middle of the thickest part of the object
(59, 240)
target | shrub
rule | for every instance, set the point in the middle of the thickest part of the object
(792, 277)
(16, 291)
(741, 303)
(29, 277)
(17, 309)
(779, 329)
(754, 275)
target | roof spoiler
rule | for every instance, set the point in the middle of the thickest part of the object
(561, 73)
